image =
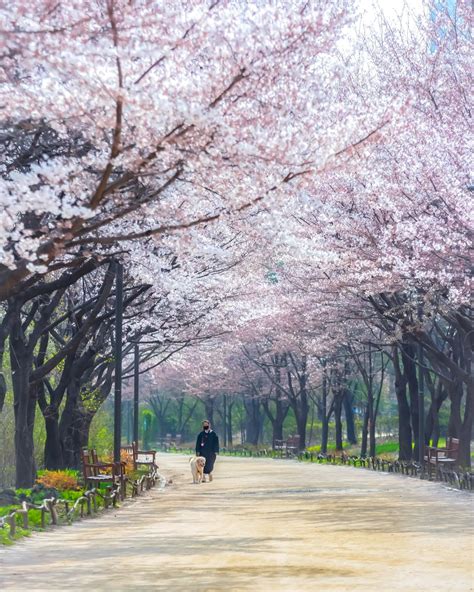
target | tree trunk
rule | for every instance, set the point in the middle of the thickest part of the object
(349, 413)
(408, 355)
(253, 420)
(209, 407)
(229, 424)
(24, 405)
(465, 435)
(372, 439)
(338, 420)
(302, 418)
(299, 402)
(281, 411)
(281, 404)
(365, 432)
(3, 390)
(325, 415)
(53, 457)
(404, 418)
(85, 428)
(438, 396)
(68, 426)
(371, 405)
(455, 392)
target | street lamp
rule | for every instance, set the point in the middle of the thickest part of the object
(136, 386)
(118, 359)
(421, 395)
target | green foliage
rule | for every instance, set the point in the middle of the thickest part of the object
(92, 400)
(317, 448)
(5, 510)
(101, 435)
(35, 496)
(390, 447)
(7, 442)
(4, 536)
(40, 492)
(23, 493)
(69, 472)
(147, 422)
(71, 496)
(34, 519)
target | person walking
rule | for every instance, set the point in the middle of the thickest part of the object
(207, 445)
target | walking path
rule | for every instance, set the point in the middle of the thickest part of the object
(262, 525)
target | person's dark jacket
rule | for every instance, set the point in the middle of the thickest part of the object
(207, 444)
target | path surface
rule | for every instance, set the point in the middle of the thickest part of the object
(262, 525)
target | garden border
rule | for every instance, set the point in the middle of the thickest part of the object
(461, 479)
(88, 499)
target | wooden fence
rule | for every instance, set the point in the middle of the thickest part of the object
(459, 478)
(54, 511)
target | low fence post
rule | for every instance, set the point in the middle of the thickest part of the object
(12, 520)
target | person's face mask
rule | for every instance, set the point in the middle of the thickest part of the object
(206, 427)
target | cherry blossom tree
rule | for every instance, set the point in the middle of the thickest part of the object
(385, 240)
(286, 201)
(122, 121)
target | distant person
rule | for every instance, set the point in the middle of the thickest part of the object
(207, 445)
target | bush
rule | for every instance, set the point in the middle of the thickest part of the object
(101, 435)
(59, 480)
(124, 457)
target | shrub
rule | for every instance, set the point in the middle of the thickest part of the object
(124, 457)
(59, 480)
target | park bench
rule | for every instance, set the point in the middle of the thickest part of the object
(165, 442)
(287, 447)
(138, 457)
(95, 472)
(438, 458)
(118, 470)
(293, 445)
(280, 447)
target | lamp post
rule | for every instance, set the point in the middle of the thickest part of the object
(225, 421)
(421, 397)
(118, 359)
(136, 391)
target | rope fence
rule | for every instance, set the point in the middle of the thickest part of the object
(459, 478)
(61, 511)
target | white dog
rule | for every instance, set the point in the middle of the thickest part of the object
(197, 468)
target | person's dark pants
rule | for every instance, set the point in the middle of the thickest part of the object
(210, 460)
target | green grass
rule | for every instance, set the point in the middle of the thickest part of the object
(317, 448)
(386, 448)
(34, 516)
(5, 510)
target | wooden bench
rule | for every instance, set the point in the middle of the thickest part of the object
(287, 447)
(436, 458)
(118, 470)
(95, 472)
(293, 445)
(165, 442)
(280, 446)
(145, 458)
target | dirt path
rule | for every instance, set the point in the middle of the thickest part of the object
(262, 525)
